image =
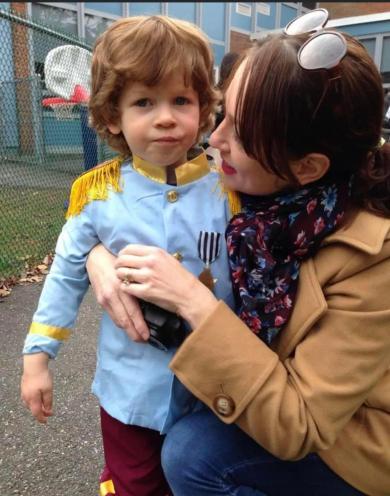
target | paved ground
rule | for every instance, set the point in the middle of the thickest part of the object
(64, 457)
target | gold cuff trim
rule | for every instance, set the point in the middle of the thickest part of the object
(94, 185)
(106, 487)
(186, 173)
(60, 333)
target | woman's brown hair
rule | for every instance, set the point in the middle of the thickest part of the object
(148, 49)
(285, 112)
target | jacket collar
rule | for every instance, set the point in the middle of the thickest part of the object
(185, 173)
(362, 230)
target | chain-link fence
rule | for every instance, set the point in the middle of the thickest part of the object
(41, 152)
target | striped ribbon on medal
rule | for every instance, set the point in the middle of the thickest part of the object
(208, 246)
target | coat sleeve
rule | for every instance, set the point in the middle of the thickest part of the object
(300, 404)
(64, 287)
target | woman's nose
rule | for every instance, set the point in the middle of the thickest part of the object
(216, 137)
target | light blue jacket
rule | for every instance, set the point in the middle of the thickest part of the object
(132, 381)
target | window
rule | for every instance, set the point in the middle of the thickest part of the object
(94, 26)
(385, 61)
(244, 9)
(60, 19)
(369, 44)
(263, 8)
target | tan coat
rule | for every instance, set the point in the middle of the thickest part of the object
(325, 386)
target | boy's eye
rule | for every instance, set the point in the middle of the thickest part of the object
(181, 100)
(142, 102)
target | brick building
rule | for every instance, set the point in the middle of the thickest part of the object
(349, 9)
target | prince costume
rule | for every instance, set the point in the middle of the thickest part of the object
(117, 203)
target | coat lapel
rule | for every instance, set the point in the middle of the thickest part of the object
(364, 231)
(367, 233)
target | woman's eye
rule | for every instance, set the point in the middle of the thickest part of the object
(142, 102)
(181, 100)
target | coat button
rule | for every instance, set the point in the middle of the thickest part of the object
(224, 405)
(172, 196)
(178, 256)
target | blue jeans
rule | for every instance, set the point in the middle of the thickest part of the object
(203, 456)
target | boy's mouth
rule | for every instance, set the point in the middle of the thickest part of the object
(228, 169)
(167, 139)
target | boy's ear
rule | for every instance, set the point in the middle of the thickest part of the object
(114, 128)
(310, 168)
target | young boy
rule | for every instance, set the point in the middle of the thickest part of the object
(152, 97)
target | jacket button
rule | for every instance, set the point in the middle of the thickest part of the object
(172, 196)
(178, 256)
(224, 405)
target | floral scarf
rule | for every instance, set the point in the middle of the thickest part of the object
(267, 242)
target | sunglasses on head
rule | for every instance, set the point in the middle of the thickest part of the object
(324, 50)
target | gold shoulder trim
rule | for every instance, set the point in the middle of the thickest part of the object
(234, 202)
(93, 185)
(60, 333)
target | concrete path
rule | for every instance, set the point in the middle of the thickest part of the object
(65, 456)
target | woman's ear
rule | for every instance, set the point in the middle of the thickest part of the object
(310, 168)
(114, 128)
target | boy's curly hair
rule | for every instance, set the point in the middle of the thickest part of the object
(147, 49)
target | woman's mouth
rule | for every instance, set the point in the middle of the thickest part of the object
(228, 169)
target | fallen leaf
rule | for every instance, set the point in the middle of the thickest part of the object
(29, 275)
(31, 278)
(48, 259)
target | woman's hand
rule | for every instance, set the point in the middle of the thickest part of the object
(123, 308)
(152, 274)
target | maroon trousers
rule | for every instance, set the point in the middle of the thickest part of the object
(132, 456)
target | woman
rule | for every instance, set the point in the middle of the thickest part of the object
(300, 378)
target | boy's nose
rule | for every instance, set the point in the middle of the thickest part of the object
(165, 116)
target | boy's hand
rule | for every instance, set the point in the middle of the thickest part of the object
(37, 386)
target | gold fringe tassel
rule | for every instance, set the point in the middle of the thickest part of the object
(234, 202)
(232, 196)
(92, 185)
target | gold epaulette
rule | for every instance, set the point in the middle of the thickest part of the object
(233, 197)
(94, 185)
(234, 202)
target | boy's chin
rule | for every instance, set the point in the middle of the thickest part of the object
(166, 161)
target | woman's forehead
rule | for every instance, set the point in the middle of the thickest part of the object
(234, 86)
